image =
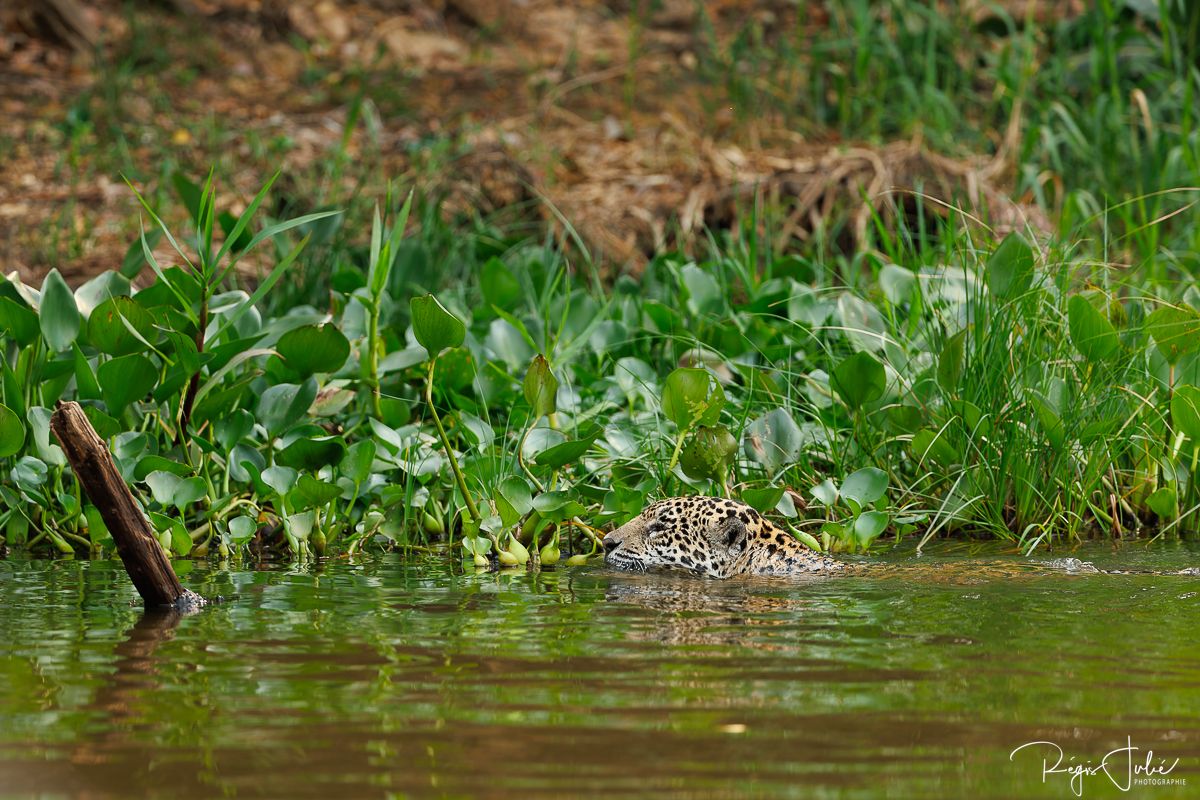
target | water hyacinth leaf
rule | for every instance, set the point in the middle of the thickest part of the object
(692, 396)
(825, 492)
(29, 473)
(19, 322)
(565, 452)
(1010, 268)
(280, 479)
(508, 343)
(709, 453)
(300, 525)
(513, 499)
(704, 295)
(234, 426)
(476, 429)
(106, 427)
(762, 499)
(312, 453)
(163, 485)
(557, 506)
(285, 403)
(357, 463)
(869, 525)
(93, 293)
(1093, 336)
(859, 379)
(540, 387)
(1185, 412)
(774, 440)
(242, 529)
(897, 284)
(436, 328)
(157, 463)
(1175, 330)
(862, 324)
(126, 379)
(86, 387)
(1163, 502)
(865, 486)
(499, 286)
(930, 445)
(12, 432)
(189, 490)
(312, 492)
(1050, 421)
(97, 530)
(181, 542)
(950, 362)
(313, 348)
(58, 315)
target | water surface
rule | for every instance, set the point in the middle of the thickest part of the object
(385, 679)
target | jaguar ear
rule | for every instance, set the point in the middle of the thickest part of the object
(732, 536)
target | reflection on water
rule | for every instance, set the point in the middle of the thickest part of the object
(378, 679)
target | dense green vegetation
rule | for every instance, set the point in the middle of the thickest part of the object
(421, 378)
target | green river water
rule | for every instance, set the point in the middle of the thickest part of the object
(387, 678)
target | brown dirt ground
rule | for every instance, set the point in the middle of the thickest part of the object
(553, 113)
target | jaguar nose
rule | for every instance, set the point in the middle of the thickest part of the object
(610, 544)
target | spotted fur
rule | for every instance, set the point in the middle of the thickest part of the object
(710, 536)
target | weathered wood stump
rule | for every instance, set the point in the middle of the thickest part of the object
(147, 564)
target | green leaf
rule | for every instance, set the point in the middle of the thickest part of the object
(869, 525)
(58, 315)
(513, 499)
(285, 403)
(163, 485)
(950, 362)
(189, 490)
(12, 432)
(1163, 502)
(928, 444)
(500, 288)
(1093, 336)
(313, 348)
(704, 295)
(312, 453)
(541, 387)
(109, 326)
(774, 440)
(825, 492)
(708, 455)
(565, 452)
(157, 463)
(1010, 269)
(19, 322)
(313, 493)
(557, 506)
(280, 479)
(692, 396)
(436, 328)
(763, 499)
(865, 486)
(125, 379)
(358, 461)
(1185, 412)
(242, 529)
(1176, 331)
(859, 379)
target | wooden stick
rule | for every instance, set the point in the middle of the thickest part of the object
(145, 561)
